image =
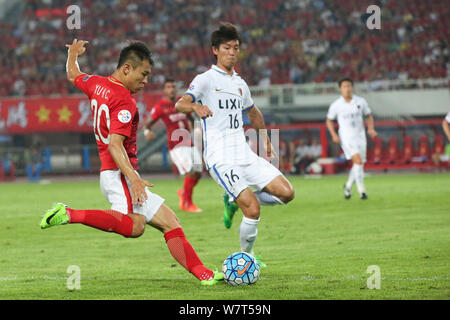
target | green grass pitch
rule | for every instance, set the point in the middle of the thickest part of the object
(317, 247)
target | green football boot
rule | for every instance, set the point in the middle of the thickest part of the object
(218, 277)
(259, 261)
(230, 210)
(55, 216)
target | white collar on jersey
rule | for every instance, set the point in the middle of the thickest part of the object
(343, 99)
(216, 68)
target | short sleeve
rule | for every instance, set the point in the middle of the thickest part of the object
(122, 118)
(198, 88)
(447, 117)
(365, 107)
(155, 113)
(248, 101)
(332, 112)
(84, 83)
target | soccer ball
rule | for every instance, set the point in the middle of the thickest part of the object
(240, 268)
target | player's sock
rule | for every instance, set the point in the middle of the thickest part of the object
(106, 220)
(189, 184)
(247, 233)
(267, 199)
(351, 178)
(359, 178)
(184, 253)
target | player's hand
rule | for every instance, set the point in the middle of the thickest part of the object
(202, 111)
(149, 135)
(336, 139)
(77, 47)
(372, 133)
(138, 194)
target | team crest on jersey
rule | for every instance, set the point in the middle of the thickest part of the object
(124, 116)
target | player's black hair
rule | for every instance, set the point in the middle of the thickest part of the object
(169, 80)
(345, 79)
(135, 53)
(226, 32)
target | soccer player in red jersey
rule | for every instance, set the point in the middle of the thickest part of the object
(186, 157)
(115, 119)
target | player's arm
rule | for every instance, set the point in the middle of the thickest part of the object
(371, 127)
(75, 49)
(149, 134)
(120, 157)
(446, 128)
(332, 130)
(256, 119)
(186, 105)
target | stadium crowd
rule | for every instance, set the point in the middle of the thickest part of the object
(283, 41)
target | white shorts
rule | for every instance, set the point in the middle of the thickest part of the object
(235, 178)
(116, 189)
(354, 146)
(186, 159)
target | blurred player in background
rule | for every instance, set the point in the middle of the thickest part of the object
(115, 118)
(186, 157)
(349, 110)
(219, 96)
(445, 126)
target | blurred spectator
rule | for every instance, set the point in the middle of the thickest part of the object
(33, 160)
(283, 41)
(287, 152)
(300, 157)
(313, 152)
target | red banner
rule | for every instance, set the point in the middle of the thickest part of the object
(58, 114)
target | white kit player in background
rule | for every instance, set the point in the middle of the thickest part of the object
(349, 110)
(219, 96)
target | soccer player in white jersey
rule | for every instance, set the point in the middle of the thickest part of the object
(349, 110)
(219, 96)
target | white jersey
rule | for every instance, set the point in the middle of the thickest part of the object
(447, 117)
(350, 117)
(223, 134)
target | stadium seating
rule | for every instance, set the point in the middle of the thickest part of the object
(284, 41)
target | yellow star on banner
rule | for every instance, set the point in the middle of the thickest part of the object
(64, 114)
(43, 114)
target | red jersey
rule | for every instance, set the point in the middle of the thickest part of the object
(165, 110)
(113, 111)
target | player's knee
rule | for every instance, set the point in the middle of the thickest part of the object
(252, 211)
(138, 226)
(288, 195)
(138, 230)
(357, 159)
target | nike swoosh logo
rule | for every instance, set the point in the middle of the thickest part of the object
(51, 216)
(241, 272)
(217, 89)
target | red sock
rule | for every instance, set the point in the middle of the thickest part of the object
(106, 220)
(189, 184)
(183, 252)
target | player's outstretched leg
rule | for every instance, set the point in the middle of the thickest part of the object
(131, 225)
(182, 251)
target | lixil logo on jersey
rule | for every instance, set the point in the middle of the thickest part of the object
(124, 116)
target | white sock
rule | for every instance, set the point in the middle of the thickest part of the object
(359, 178)
(266, 199)
(351, 178)
(247, 233)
